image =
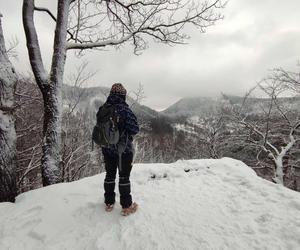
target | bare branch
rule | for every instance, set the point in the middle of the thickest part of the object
(11, 50)
(42, 9)
(97, 44)
(139, 95)
(162, 20)
(77, 80)
(33, 43)
(47, 11)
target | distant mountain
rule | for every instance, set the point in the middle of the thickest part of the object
(192, 106)
(205, 106)
(91, 99)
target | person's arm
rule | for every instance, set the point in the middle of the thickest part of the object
(131, 123)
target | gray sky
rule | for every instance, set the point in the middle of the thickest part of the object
(255, 36)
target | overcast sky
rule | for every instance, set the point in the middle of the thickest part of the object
(255, 36)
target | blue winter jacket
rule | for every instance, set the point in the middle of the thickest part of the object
(128, 125)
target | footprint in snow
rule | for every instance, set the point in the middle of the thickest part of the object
(37, 236)
(29, 224)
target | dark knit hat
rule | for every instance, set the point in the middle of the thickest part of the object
(118, 89)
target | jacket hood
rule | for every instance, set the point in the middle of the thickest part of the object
(116, 99)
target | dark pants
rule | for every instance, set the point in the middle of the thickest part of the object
(111, 166)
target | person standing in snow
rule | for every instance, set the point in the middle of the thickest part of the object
(128, 127)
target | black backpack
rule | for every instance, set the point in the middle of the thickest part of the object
(106, 132)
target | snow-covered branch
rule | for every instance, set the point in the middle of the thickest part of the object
(100, 44)
(272, 132)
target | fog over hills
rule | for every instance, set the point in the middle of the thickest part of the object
(191, 106)
(93, 97)
(207, 106)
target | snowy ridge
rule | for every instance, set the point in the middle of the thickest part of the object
(206, 106)
(194, 204)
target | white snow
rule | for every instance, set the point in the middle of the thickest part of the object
(185, 128)
(194, 204)
(5, 121)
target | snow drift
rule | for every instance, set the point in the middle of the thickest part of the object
(194, 204)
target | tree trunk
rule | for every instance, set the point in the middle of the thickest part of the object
(52, 136)
(279, 174)
(50, 86)
(279, 170)
(52, 94)
(8, 78)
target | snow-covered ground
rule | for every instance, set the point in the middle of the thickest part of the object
(185, 128)
(195, 204)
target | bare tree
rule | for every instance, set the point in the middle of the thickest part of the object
(76, 160)
(11, 50)
(29, 123)
(275, 131)
(286, 78)
(8, 79)
(87, 24)
(211, 134)
(50, 85)
(98, 24)
(138, 96)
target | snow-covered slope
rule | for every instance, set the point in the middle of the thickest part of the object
(192, 106)
(195, 204)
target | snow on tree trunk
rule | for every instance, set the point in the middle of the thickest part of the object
(50, 86)
(52, 94)
(8, 78)
(279, 170)
(51, 136)
(279, 174)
